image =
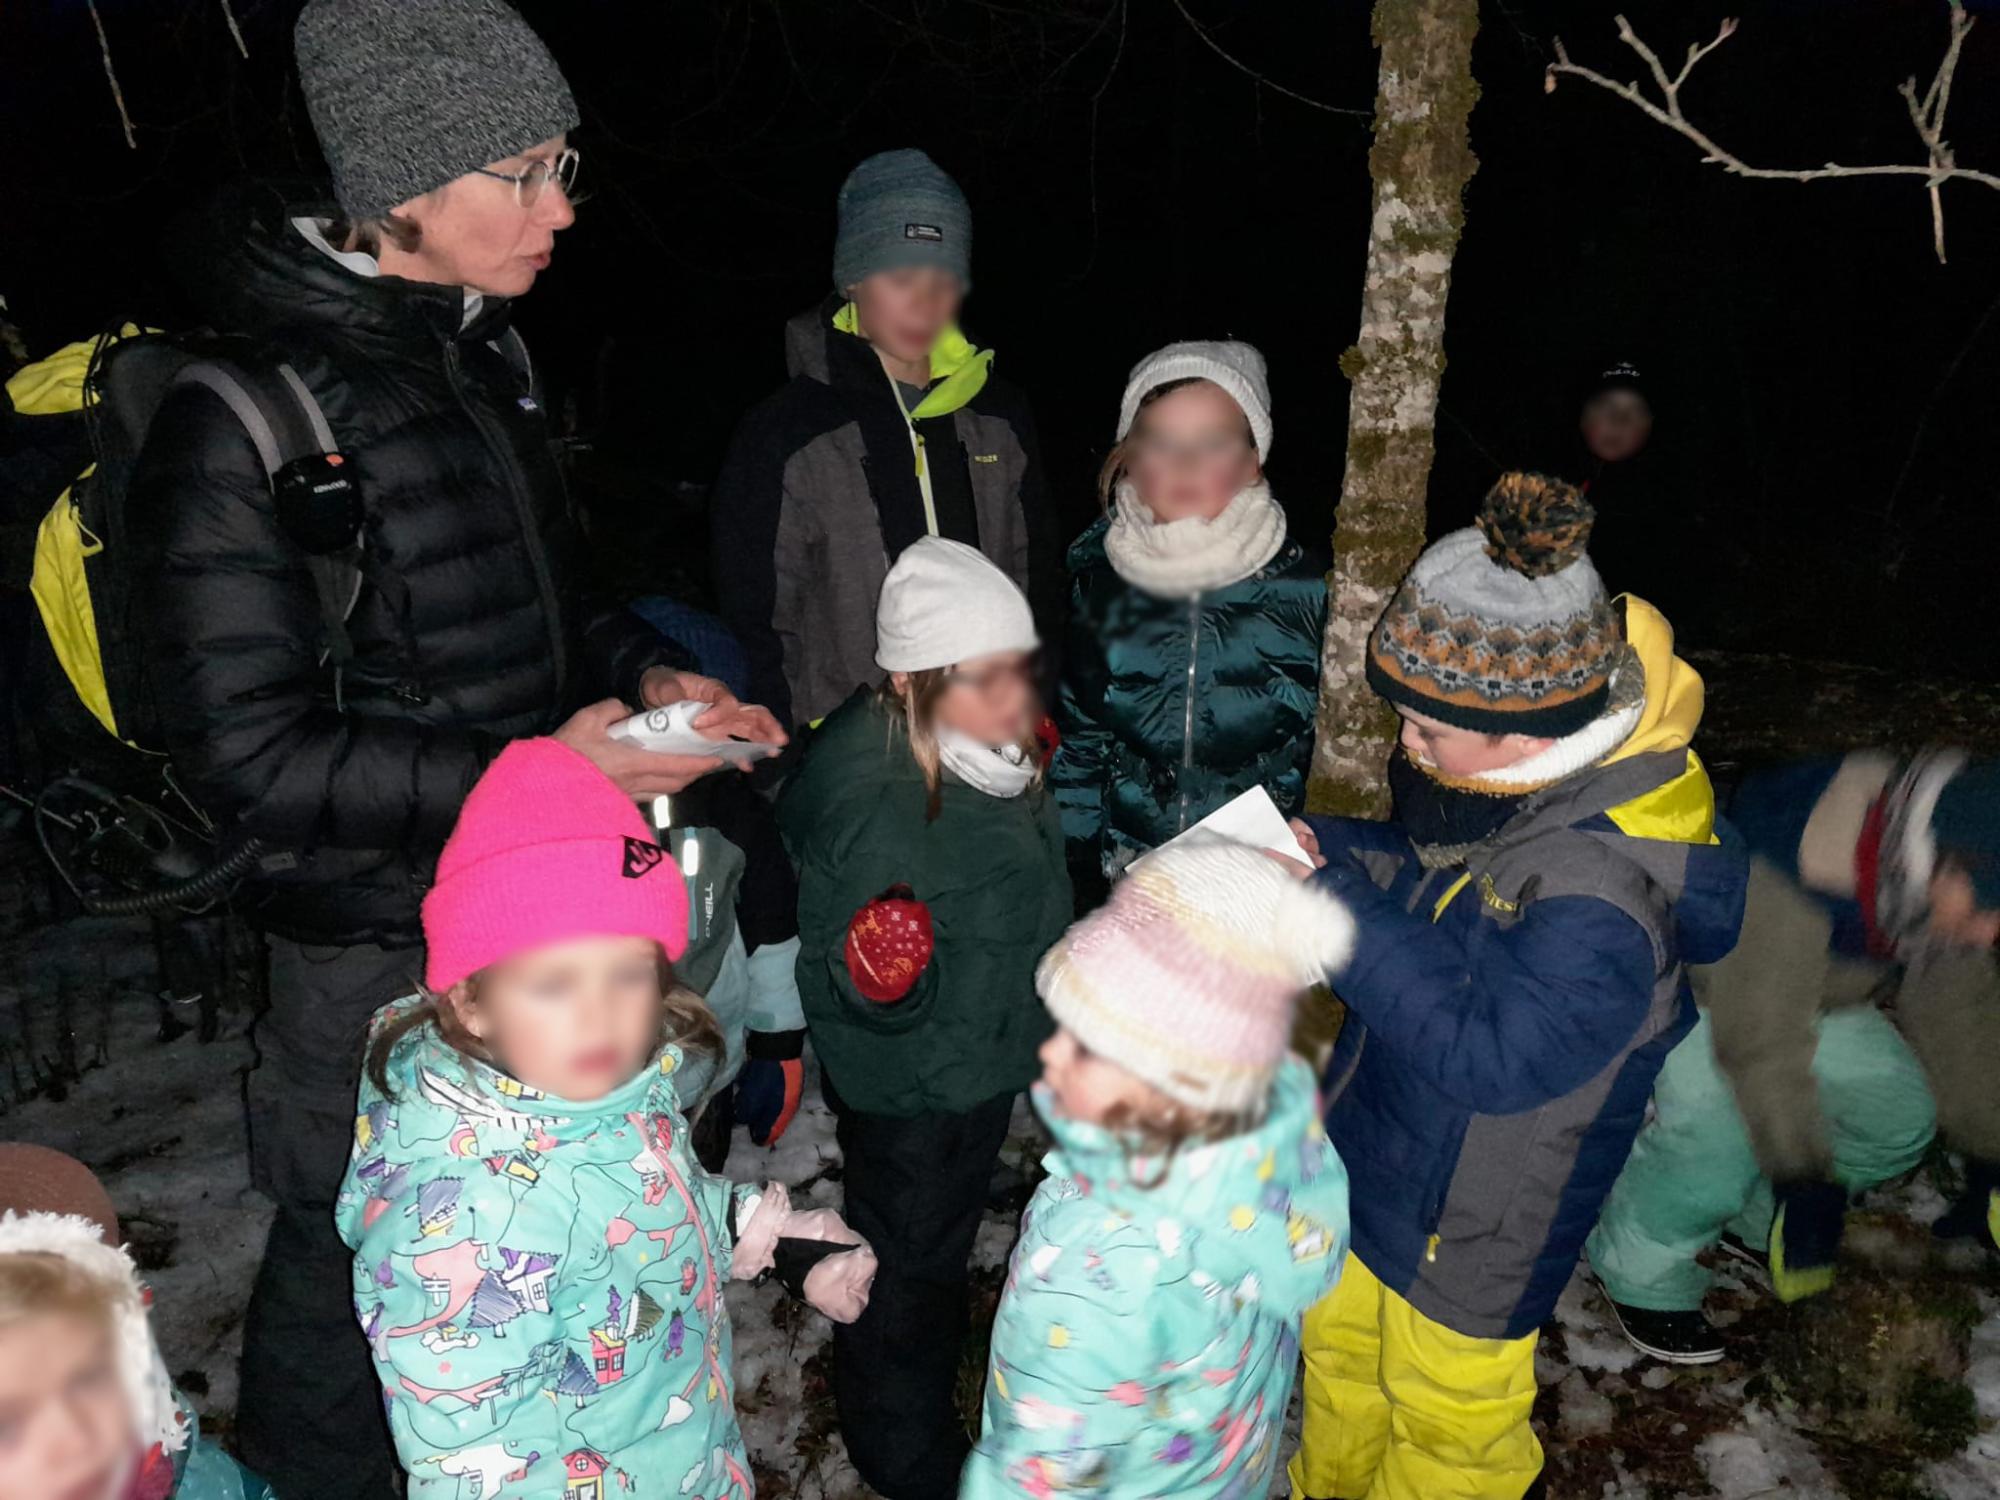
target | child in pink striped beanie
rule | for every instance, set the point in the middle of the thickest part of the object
(1184, 984)
(1147, 1338)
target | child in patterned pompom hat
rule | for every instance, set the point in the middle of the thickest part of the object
(1553, 864)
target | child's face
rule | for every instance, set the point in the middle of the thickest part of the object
(1464, 752)
(1616, 425)
(1092, 1088)
(991, 699)
(904, 311)
(1192, 453)
(574, 1019)
(65, 1421)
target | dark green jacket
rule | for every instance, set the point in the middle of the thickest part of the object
(991, 871)
(1171, 707)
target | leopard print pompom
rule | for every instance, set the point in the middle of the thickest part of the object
(1535, 525)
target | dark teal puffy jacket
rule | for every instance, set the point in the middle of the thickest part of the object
(1171, 707)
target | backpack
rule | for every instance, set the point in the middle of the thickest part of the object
(82, 582)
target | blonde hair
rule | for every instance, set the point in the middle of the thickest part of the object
(911, 711)
(35, 1283)
(685, 1021)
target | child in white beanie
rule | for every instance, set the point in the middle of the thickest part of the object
(1147, 1339)
(931, 879)
(1191, 667)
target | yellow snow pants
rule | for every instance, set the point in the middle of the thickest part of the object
(1398, 1407)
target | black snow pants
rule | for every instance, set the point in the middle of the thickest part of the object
(310, 1414)
(916, 1190)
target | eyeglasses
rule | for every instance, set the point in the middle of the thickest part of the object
(530, 184)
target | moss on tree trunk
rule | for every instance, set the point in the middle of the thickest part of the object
(1420, 164)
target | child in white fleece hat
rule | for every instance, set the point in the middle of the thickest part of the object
(1191, 662)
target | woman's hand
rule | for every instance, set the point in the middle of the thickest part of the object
(724, 718)
(639, 774)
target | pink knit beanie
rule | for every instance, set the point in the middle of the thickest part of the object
(547, 849)
(1188, 975)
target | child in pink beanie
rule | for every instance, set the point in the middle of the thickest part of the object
(539, 1259)
(1148, 1335)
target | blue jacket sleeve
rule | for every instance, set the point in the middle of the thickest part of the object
(1509, 1020)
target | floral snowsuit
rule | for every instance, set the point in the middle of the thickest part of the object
(541, 1283)
(1147, 1339)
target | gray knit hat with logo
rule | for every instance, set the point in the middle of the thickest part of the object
(900, 208)
(406, 95)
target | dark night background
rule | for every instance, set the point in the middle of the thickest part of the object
(1821, 480)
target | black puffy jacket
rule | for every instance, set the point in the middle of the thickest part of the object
(470, 629)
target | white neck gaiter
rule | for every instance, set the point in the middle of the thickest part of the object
(996, 770)
(1178, 559)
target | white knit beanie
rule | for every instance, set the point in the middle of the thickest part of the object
(1187, 977)
(944, 603)
(1237, 367)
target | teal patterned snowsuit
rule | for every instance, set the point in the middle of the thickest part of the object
(1147, 1339)
(541, 1281)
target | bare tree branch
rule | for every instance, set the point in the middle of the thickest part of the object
(117, 93)
(235, 31)
(1926, 115)
(1249, 72)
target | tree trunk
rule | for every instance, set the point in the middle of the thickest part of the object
(1420, 164)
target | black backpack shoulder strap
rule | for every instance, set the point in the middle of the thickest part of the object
(285, 424)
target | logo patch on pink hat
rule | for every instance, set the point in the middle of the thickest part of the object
(641, 858)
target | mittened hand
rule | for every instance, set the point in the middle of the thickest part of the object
(813, 1251)
(889, 945)
(1805, 1237)
(1049, 739)
(771, 1084)
(835, 1281)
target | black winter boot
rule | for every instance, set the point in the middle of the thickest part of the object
(1678, 1338)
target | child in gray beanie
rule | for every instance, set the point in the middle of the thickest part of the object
(406, 95)
(900, 208)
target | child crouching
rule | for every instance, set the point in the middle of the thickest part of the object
(86, 1409)
(538, 1258)
(1147, 1339)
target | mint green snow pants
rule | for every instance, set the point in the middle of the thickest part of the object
(1692, 1175)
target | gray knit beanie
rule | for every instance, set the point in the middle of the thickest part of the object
(900, 208)
(406, 95)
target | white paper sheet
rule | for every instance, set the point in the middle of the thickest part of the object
(1252, 819)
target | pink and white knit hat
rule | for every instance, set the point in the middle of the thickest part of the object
(547, 849)
(1188, 975)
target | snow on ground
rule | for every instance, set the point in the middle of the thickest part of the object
(161, 1121)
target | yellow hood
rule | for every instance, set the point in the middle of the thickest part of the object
(1682, 810)
(1675, 695)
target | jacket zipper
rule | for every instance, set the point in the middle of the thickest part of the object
(524, 512)
(917, 446)
(1440, 1190)
(1187, 708)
